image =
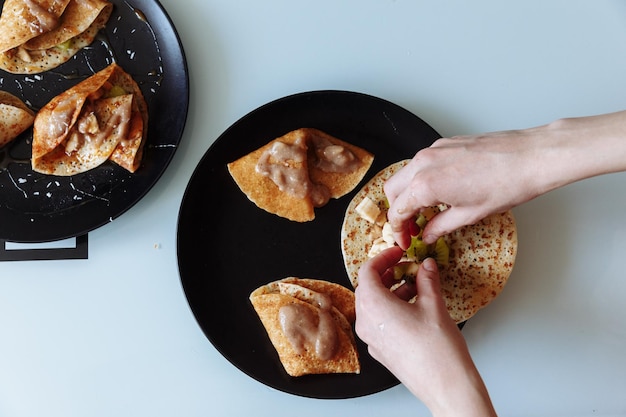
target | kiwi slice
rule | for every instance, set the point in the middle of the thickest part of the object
(406, 271)
(441, 252)
(418, 249)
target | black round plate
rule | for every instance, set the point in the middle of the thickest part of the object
(227, 246)
(37, 208)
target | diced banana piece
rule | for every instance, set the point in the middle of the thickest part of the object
(368, 210)
(382, 218)
(378, 246)
(388, 234)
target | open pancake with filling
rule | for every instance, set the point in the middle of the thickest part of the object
(299, 171)
(476, 260)
(15, 117)
(104, 117)
(309, 323)
(38, 35)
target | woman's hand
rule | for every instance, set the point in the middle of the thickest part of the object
(474, 176)
(418, 342)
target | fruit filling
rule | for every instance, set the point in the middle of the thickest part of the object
(376, 213)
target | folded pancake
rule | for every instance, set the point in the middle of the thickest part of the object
(38, 35)
(309, 329)
(104, 117)
(15, 117)
(480, 260)
(299, 171)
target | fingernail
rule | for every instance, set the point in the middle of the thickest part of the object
(430, 265)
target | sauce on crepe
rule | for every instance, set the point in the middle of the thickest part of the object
(303, 327)
(285, 165)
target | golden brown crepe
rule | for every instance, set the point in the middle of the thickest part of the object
(38, 35)
(481, 256)
(15, 117)
(103, 117)
(288, 307)
(303, 160)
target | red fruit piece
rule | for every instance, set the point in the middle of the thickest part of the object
(414, 229)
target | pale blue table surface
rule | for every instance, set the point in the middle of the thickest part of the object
(114, 336)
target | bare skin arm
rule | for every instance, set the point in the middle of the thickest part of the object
(419, 343)
(480, 175)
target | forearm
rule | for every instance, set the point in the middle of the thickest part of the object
(570, 150)
(471, 402)
(461, 392)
